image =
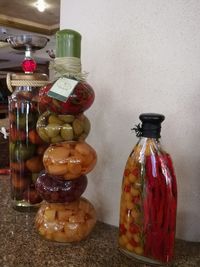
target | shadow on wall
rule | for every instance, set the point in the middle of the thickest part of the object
(104, 187)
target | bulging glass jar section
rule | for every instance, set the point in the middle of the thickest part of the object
(26, 147)
(66, 222)
(81, 98)
(148, 204)
(69, 159)
(55, 128)
(53, 188)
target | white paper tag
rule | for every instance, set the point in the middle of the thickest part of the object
(62, 88)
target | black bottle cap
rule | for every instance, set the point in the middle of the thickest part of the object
(151, 124)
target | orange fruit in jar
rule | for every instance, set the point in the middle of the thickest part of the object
(41, 149)
(88, 159)
(74, 166)
(56, 169)
(34, 137)
(17, 166)
(18, 182)
(83, 148)
(34, 164)
(56, 154)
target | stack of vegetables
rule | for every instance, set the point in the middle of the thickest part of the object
(65, 216)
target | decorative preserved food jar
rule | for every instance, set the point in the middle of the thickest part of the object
(26, 147)
(149, 197)
(65, 216)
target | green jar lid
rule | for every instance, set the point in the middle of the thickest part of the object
(68, 43)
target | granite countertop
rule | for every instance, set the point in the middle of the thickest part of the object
(21, 246)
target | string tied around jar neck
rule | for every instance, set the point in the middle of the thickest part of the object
(138, 130)
(25, 82)
(69, 67)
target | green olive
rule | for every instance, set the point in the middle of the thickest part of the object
(86, 125)
(56, 139)
(24, 120)
(42, 120)
(52, 129)
(67, 132)
(21, 121)
(55, 119)
(66, 118)
(82, 137)
(42, 133)
(24, 152)
(77, 127)
(34, 177)
(12, 150)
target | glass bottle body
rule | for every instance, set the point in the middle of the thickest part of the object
(66, 222)
(81, 98)
(26, 147)
(65, 216)
(54, 128)
(148, 204)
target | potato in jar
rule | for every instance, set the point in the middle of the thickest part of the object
(69, 159)
(67, 222)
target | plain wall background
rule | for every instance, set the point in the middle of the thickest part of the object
(142, 56)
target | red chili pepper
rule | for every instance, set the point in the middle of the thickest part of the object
(172, 224)
(146, 214)
(148, 243)
(171, 168)
(162, 190)
(157, 244)
(159, 208)
(169, 246)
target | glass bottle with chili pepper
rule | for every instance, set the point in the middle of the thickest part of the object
(149, 197)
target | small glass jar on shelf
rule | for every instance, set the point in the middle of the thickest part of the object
(25, 146)
(149, 198)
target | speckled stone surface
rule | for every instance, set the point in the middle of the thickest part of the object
(21, 246)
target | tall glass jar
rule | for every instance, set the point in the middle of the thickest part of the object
(65, 216)
(25, 145)
(149, 198)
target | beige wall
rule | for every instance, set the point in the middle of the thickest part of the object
(143, 56)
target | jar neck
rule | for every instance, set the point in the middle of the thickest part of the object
(150, 131)
(153, 139)
(150, 143)
(24, 88)
(28, 54)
